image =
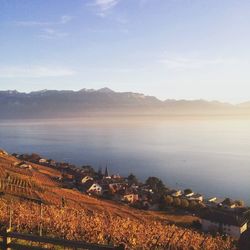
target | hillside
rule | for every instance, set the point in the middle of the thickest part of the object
(81, 217)
(62, 104)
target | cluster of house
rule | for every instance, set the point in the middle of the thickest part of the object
(224, 216)
(186, 194)
(119, 189)
(219, 215)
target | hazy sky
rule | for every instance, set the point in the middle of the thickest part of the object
(168, 48)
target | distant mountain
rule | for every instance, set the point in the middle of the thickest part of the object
(244, 105)
(67, 103)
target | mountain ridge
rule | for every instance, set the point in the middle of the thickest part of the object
(68, 103)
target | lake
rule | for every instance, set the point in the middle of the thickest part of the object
(209, 155)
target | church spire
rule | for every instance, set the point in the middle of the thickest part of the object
(106, 171)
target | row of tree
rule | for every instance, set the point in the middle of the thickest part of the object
(181, 203)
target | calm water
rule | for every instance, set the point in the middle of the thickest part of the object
(208, 155)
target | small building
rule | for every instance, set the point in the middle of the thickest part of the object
(228, 203)
(130, 198)
(224, 222)
(189, 194)
(115, 176)
(147, 189)
(212, 199)
(175, 193)
(25, 166)
(117, 186)
(196, 197)
(214, 202)
(52, 163)
(42, 160)
(86, 178)
(95, 188)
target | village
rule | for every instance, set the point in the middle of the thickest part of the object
(216, 215)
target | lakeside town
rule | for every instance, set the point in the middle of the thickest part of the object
(216, 215)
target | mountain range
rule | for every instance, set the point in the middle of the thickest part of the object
(68, 103)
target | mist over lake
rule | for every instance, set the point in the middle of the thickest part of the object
(209, 155)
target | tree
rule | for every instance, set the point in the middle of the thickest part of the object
(35, 157)
(99, 173)
(201, 205)
(156, 185)
(184, 203)
(88, 169)
(168, 200)
(177, 202)
(227, 202)
(239, 203)
(193, 204)
(188, 191)
(132, 179)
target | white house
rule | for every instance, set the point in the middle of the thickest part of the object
(43, 160)
(175, 193)
(223, 222)
(212, 199)
(228, 203)
(95, 188)
(190, 194)
(26, 166)
(86, 178)
(196, 197)
(214, 202)
(130, 198)
(116, 176)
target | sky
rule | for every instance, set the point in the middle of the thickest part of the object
(171, 49)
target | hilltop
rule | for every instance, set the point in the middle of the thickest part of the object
(26, 188)
(41, 184)
(66, 103)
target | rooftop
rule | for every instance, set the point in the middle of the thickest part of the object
(224, 217)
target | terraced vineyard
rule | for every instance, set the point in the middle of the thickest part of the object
(105, 228)
(25, 183)
(69, 214)
(11, 184)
